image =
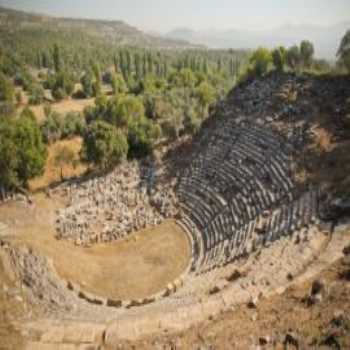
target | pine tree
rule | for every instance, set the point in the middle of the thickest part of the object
(38, 60)
(138, 68)
(116, 64)
(165, 69)
(128, 63)
(219, 65)
(150, 63)
(186, 62)
(144, 65)
(45, 59)
(193, 63)
(205, 66)
(158, 69)
(232, 67)
(57, 58)
(122, 64)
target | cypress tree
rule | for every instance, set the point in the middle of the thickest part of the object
(57, 58)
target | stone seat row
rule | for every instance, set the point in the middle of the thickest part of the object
(222, 243)
(207, 199)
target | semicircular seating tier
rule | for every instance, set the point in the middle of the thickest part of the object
(237, 194)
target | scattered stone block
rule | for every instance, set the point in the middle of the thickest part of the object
(92, 299)
(114, 303)
(234, 276)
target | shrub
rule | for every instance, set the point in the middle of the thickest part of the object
(306, 53)
(52, 128)
(141, 136)
(343, 53)
(260, 61)
(6, 89)
(279, 58)
(72, 125)
(58, 94)
(36, 96)
(104, 145)
(293, 57)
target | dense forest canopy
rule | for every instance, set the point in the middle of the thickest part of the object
(145, 89)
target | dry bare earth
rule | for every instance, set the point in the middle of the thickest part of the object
(52, 171)
(62, 107)
(11, 307)
(134, 268)
(284, 321)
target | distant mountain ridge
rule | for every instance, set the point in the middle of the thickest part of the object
(115, 31)
(325, 39)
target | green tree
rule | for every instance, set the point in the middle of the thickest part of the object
(86, 82)
(97, 71)
(96, 86)
(232, 67)
(260, 61)
(142, 134)
(8, 155)
(57, 58)
(343, 53)
(205, 65)
(45, 59)
(191, 121)
(138, 66)
(150, 63)
(148, 85)
(104, 145)
(206, 95)
(293, 57)
(19, 98)
(279, 58)
(32, 151)
(72, 125)
(306, 53)
(124, 109)
(118, 84)
(36, 94)
(47, 110)
(219, 65)
(63, 85)
(128, 63)
(123, 64)
(6, 89)
(116, 64)
(183, 78)
(52, 127)
(58, 93)
(165, 69)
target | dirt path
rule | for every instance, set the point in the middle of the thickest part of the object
(134, 268)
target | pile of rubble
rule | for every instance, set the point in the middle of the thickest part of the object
(290, 103)
(108, 208)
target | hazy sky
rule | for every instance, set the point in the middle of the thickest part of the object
(164, 15)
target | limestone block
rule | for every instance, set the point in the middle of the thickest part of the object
(114, 303)
(92, 299)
